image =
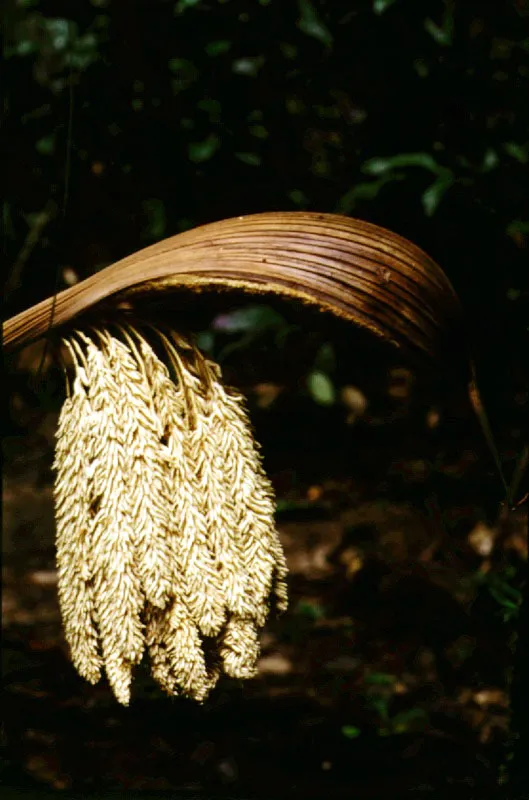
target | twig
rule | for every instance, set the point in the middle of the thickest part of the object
(34, 235)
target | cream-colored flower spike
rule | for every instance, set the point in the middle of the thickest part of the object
(165, 518)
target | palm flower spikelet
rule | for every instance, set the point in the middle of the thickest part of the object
(166, 540)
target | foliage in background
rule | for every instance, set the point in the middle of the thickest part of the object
(182, 112)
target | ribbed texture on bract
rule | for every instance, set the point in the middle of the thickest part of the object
(358, 271)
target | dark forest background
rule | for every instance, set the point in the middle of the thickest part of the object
(125, 122)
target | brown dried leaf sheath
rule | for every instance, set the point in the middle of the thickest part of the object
(356, 270)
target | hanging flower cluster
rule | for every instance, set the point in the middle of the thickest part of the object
(165, 519)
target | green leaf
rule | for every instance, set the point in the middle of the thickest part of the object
(327, 112)
(421, 67)
(290, 51)
(259, 131)
(364, 192)
(211, 107)
(84, 53)
(311, 25)
(185, 73)
(61, 32)
(379, 165)
(23, 48)
(380, 705)
(379, 6)
(442, 34)
(490, 160)
(503, 601)
(198, 152)
(292, 505)
(413, 719)
(181, 65)
(299, 198)
(325, 360)
(518, 151)
(248, 66)
(218, 48)
(505, 591)
(518, 226)
(321, 388)
(433, 195)
(252, 159)
(351, 731)
(380, 679)
(182, 5)
(154, 209)
(312, 611)
(46, 145)
(295, 105)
